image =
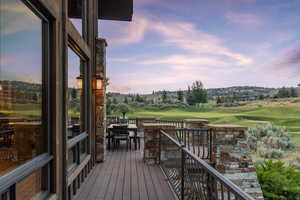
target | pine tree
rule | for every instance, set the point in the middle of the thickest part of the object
(115, 101)
(219, 100)
(164, 96)
(294, 92)
(126, 100)
(180, 95)
(189, 97)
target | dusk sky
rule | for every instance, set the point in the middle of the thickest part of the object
(171, 43)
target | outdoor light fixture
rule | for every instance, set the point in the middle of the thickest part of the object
(99, 83)
(79, 81)
(1, 88)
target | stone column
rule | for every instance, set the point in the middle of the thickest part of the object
(152, 139)
(100, 112)
(232, 158)
(140, 122)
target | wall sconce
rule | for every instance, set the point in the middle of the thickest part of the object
(1, 88)
(79, 81)
(99, 83)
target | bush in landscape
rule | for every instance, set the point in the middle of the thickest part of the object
(164, 106)
(295, 163)
(123, 108)
(277, 181)
(269, 140)
(269, 153)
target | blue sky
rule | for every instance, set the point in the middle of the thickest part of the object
(171, 43)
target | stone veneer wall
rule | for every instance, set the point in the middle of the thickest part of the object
(100, 109)
(232, 158)
(151, 141)
(230, 152)
(140, 122)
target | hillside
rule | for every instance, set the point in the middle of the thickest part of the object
(242, 93)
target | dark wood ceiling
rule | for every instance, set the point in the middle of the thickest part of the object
(120, 10)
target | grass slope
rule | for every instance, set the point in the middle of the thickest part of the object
(287, 115)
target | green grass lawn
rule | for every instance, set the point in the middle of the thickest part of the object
(249, 116)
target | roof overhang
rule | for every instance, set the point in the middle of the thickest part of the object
(120, 10)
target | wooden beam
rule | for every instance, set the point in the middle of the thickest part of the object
(50, 6)
(76, 41)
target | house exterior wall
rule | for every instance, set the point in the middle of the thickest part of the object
(64, 185)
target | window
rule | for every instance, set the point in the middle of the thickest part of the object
(76, 110)
(24, 149)
(75, 94)
(21, 95)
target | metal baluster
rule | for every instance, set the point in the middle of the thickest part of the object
(193, 132)
(205, 148)
(222, 191)
(182, 174)
(188, 133)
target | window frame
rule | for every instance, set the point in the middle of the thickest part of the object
(9, 180)
(76, 141)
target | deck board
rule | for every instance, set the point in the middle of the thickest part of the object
(124, 176)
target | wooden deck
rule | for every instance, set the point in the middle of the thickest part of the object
(124, 176)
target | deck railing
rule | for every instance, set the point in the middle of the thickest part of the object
(196, 140)
(176, 123)
(132, 121)
(191, 177)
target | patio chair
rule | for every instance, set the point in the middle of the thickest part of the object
(119, 135)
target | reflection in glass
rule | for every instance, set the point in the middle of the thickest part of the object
(31, 187)
(83, 148)
(75, 95)
(71, 157)
(21, 135)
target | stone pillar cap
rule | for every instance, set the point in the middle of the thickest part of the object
(196, 121)
(227, 127)
(144, 118)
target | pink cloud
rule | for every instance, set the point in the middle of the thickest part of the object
(18, 18)
(126, 33)
(185, 60)
(181, 35)
(286, 65)
(288, 58)
(243, 18)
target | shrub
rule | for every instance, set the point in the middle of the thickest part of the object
(270, 153)
(165, 106)
(277, 181)
(259, 161)
(270, 135)
(295, 163)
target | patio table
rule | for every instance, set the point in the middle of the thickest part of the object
(130, 127)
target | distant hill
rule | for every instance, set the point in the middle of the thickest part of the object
(242, 93)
